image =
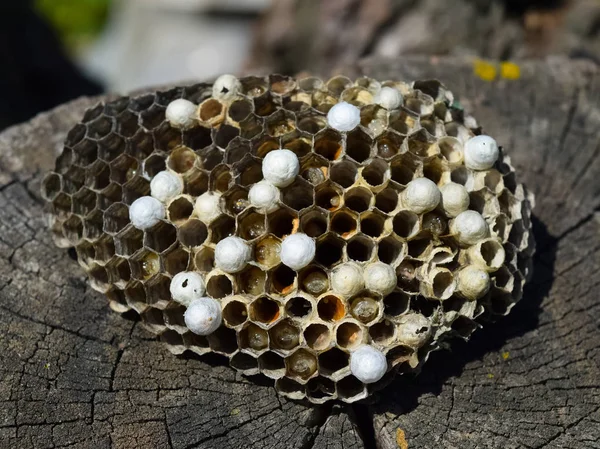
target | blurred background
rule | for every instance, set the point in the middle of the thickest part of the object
(56, 50)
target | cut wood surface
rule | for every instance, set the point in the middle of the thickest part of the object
(74, 374)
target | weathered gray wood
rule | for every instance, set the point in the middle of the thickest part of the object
(75, 374)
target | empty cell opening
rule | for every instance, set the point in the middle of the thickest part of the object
(372, 225)
(299, 146)
(344, 173)
(443, 284)
(197, 183)
(158, 292)
(309, 84)
(464, 326)
(160, 237)
(375, 173)
(220, 178)
(141, 145)
(252, 281)
(329, 251)
(331, 308)
(451, 149)
(180, 210)
(329, 146)
(252, 226)
(493, 180)
(153, 317)
(98, 176)
(492, 253)
(84, 202)
(265, 105)
(317, 336)
(416, 248)
(364, 309)
(235, 313)
(289, 387)
(127, 123)
(503, 278)
(243, 362)
(222, 227)
(435, 223)
(176, 261)
(389, 145)
(381, 332)
(223, 340)
(433, 171)
(251, 127)
(250, 173)
(173, 316)
(152, 117)
(254, 337)
(145, 265)
(332, 361)
(320, 388)
(302, 364)
(239, 110)
(64, 160)
(396, 303)
(358, 199)
(204, 259)
(328, 198)
(476, 202)
(399, 354)
(423, 306)
(389, 250)
(192, 340)
(386, 200)
(219, 286)
(360, 249)
(210, 158)
(283, 279)
(135, 294)
(99, 276)
(406, 224)
(181, 160)
(116, 217)
(154, 165)
(280, 124)
(358, 146)
(264, 310)
(314, 173)
(312, 124)
(92, 226)
(338, 84)
(210, 109)
(314, 281)
(136, 188)
(314, 223)
(349, 335)
(267, 251)
(226, 134)
(99, 127)
(281, 222)
(350, 387)
(270, 361)
(236, 200)
(284, 335)
(460, 176)
(298, 196)
(193, 233)
(343, 223)
(111, 147)
(73, 229)
(298, 307)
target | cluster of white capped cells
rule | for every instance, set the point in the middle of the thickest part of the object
(280, 169)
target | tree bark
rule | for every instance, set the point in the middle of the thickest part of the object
(74, 374)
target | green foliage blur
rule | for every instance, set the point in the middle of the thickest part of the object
(77, 22)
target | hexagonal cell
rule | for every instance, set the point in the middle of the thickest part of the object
(181, 160)
(403, 168)
(73, 179)
(403, 121)
(329, 250)
(280, 123)
(173, 316)
(358, 96)
(320, 390)
(118, 271)
(349, 335)
(157, 291)
(358, 145)
(297, 143)
(299, 195)
(375, 118)
(220, 178)
(223, 341)
(110, 147)
(97, 176)
(333, 362)
(51, 186)
(314, 169)
(451, 149)
(361, 248)
(144, 264)
(382, 333)
(407, 276)
(265, 105)
(311, 122)
(351, 389)
(166, 138)
(99, 127)
(73, 229)
(62, 204)
(344, 223)
(135, 188)
(281, 84)
(406, 224)
(85, 152)
(123, 168)
(160, 237)
(126, 124)
(128, 241)
(225, 135)
(240, 109)
(344, 173)
(267, 251)
(328, 196)
(400, 354)
(254, 337)
(64, 160)
(387, 200)
(151, 166)
(365, 309)
(197, 138)
(153, 320)
(436, 223)
(99, 278)
(222, 227)
(175, 260)
(419, 248)
(180, 210)
(245, 363)
(152, 117)
(285, 336)
(331, 308)
(140, 145)
(358, 199)
(272, 365)
(389, 144)
(211, 112)
(282, 222)
(396, 303)
(422, 144)
(235, 313)
(282, 279)
(251, 224)
(338, 84)
(75, 135)
(251, 127)
(434, 170)
(136, 296)
(196, 183)
(251, 281)
(116, 217)
(84, 201)
(314, 222)
(219, 285)
(192, 233)
(376, 173)
(298, 307)
(373, 224)
(302, 364)
(204, 259)
(196, 343)
(105, 248)
(92, 225)
(313, 280)
(264, 310)
(318, 336)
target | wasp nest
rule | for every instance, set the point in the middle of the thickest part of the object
(325, 234)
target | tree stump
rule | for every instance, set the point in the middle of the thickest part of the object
(73, 373)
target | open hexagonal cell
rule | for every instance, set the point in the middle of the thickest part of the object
(358, 145)
(75, 135)
(116, 217)
(376, 173)
(62, 203)
(240, 109)
(254, 337)
(235, 313)
(160, 237)
(196, 183)
(251, 127)
(318, 336)
(344, 173)
(182, 159)
(51, 186)
(267, 251)
(265, 105)
(211, 111)
(119, 272)
(282, 279)
(298, 307)
(264, 310)
(222, 227)
(192, 233)
(128, 241)
(299, 195)
(245, 363)
(225, 135)
(251, 281)
(422, 144)
(153, 165)
(64, 160)
(105, 248)
(144, 264)
(314, 169)
(374, 117)
(406, 224)
(204, 259)
(328, 196)
(93, 225)
(180, 210)
(218, 286)
(99, 278)
(396, 303)
(135, 188)
(285, 335)
(361, 248)
(282, 222)
(386, 200)
(175, 260)
(272, 365)
(348, 335)
(314, 223)
(403, 168)
(311, 122)
(220, 178)
(110, 147)
(223, 341)
(331, 308)
(73, 229)
(372, 224)
(297, 143)
(313, 280)
(126, 123)
(153, 319)
(419, 248)
(332, 362)
(97, 176)
(389, 144)
(358, 199)
(100, 127)
(302, 364)
(280, 123)
(351, 389)
(157, 291)
(84, 201)
(152, 117)
(329, 145)
(329, 250)
(196, 343)
(140, 145)
(320, 389)
(136, 296)
(250, 171)
(364, 309)
(251, 225)
(237, 150)
(382, 332)
(390, 250)
(343, 223)
(85, 152)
